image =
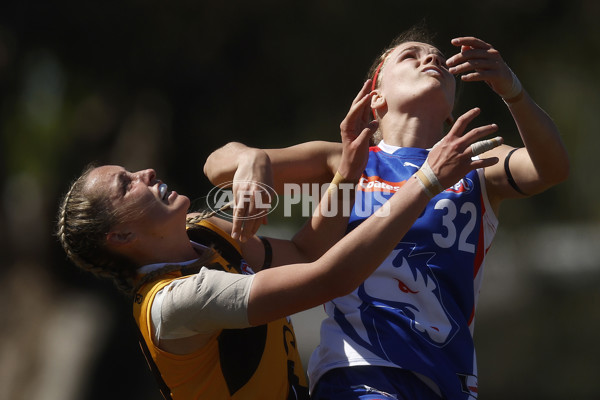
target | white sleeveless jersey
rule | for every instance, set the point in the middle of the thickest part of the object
(416, 310)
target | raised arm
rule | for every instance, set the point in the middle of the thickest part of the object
(250, 170)
(313, 162)
(543, 162)
(329, 220)
(285, 290)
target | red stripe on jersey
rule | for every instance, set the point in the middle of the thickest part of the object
(472, 316)
(480, 252)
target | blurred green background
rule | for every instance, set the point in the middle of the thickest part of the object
(162, 84)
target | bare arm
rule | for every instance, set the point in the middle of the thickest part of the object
(314, 161)
(328, 222)
(285, 290)
(544, 161)
(251, 171)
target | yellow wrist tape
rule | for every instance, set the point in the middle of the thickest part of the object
(335, 183)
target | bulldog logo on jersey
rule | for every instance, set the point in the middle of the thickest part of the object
(403, 289)
(413, 290)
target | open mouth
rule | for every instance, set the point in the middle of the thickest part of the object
(162, 191)
(432, 71)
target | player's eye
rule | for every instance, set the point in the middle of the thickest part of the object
(407, 55)
(125, 184)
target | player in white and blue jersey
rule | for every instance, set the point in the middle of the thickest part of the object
(407, 331)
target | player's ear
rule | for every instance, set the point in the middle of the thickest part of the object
(378, 102)
(377, 99)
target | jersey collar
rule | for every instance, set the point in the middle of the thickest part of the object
(153, 267)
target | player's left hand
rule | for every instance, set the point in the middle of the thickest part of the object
(356, 130)
(480, 61)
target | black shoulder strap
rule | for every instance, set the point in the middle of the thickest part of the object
(268, 252)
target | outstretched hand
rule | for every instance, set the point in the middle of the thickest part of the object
(356, 131)
(480, 61)
(454, 156)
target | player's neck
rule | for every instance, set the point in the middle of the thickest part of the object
(406, 130)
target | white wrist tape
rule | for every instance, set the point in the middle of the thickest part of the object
(515, 90)
(428, 180)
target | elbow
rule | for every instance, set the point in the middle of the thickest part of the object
(554, 170)
(210, 172)
(209, 167)
(213, 166)
(206, 169)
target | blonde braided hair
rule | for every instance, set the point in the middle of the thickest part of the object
(191, 221)
(83, 221)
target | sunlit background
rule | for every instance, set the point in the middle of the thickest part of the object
(162, 84)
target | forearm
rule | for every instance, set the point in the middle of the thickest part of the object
(310, 162)
(369, 244)
(342, 268)
(545, 161)
(328, 223)
(540, 135)
(291, 288)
